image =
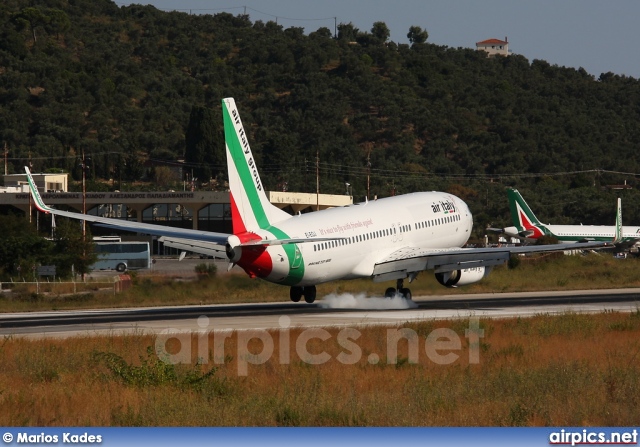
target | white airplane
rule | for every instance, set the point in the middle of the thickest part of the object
(528, 227)
(393, 238)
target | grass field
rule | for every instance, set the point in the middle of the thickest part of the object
(568, 370)
(553, 272)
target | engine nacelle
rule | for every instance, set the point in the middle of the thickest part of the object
(462, 277)
(234, 252)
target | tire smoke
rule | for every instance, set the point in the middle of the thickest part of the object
(361, 301)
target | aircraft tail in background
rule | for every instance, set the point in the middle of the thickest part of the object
(618, 235)
(523, 218)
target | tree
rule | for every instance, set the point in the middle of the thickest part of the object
(417, 35)
(380, 31)
(71, 252)
(203, 141)
(21, 249)
(133, 169)
(58, 22)
(31, 18)
(347, 32)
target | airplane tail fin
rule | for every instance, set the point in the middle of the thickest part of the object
(521, 215)
(618, 236)
(250, 207)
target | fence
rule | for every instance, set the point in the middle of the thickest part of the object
(115, 285)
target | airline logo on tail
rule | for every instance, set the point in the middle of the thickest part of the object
(522, 216)
(251, 211)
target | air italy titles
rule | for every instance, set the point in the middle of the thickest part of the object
(444, 206)
(65, 438)
(247, 151)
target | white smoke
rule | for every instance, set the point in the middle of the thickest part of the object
(361, 301)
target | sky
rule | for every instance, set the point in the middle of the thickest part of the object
(598, 35)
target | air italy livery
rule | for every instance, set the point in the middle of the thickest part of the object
(393, 238)
(527, 226)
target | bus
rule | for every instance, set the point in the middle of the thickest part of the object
(122, 256)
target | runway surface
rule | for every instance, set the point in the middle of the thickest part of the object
(332, 311)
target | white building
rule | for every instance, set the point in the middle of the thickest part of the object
(494, 46)
(44, 182)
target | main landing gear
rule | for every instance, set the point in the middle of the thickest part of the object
(297, 292)
(400, 290)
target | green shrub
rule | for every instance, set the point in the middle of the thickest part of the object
(206, 269)
(514, 262)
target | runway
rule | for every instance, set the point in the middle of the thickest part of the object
(155, 320)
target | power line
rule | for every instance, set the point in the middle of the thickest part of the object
(351, 170)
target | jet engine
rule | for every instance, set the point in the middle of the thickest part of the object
(234, 252)
(462, 277)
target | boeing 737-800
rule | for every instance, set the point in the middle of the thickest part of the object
(393, 238)
(527, 226)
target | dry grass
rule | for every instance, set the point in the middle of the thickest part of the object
(569, 370)
(548, 273)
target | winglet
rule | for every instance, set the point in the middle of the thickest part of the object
(36, 194)
(618, 236)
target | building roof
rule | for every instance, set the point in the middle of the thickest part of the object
(492, 42)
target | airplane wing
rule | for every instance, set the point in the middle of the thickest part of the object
(408, 260)
(198, 241)
(194, 245)
(157, 230)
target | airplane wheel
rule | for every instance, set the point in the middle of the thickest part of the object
(295, 293)
(406, 294)
(309, 294)
(390, 292)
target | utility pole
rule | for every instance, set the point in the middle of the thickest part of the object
(84, 194)
(34, 185)
(368, 171)
(317, 179)
(84, 209)
(6, 152)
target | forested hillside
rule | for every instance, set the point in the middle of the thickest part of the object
(124, 85)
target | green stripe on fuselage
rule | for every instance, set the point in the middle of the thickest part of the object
(246, 178)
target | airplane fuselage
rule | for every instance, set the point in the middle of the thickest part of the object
(367, 232)
(578, 233)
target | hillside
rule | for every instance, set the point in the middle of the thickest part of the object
(120, 83)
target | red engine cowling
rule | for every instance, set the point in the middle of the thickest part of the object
(462, 277)
(254, 259)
